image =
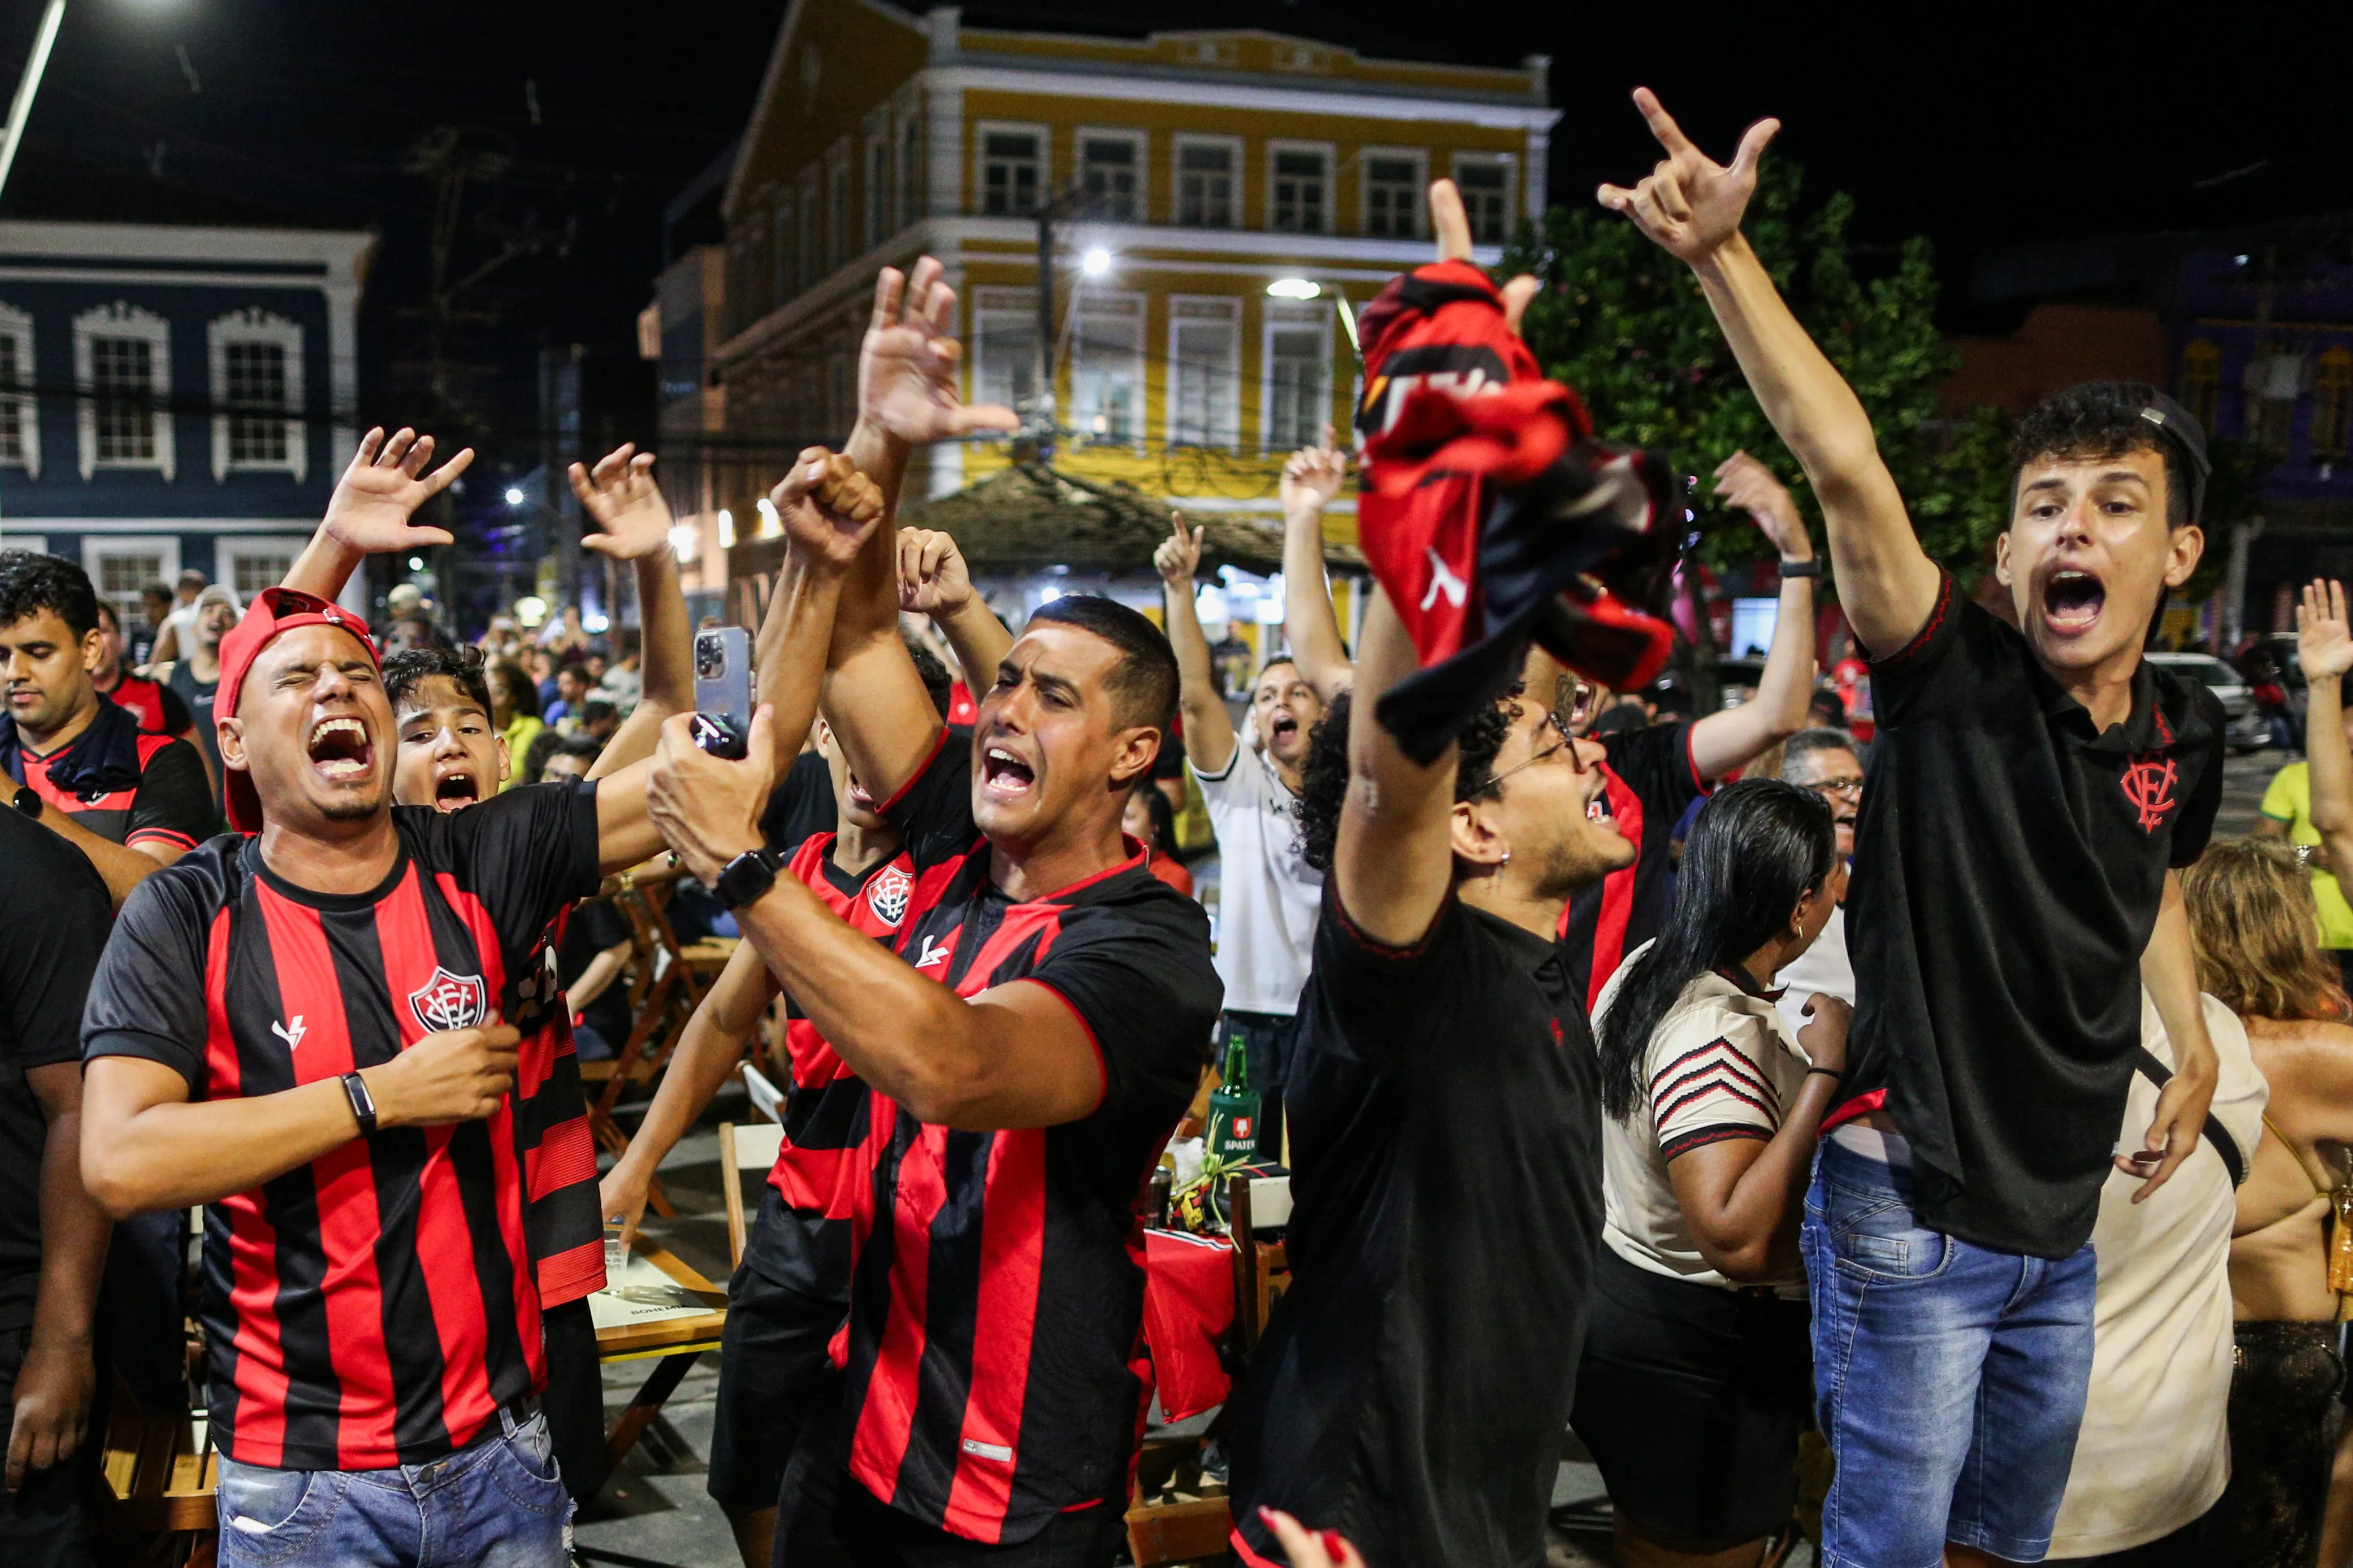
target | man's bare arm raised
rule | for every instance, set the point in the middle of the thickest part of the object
(1691, 206)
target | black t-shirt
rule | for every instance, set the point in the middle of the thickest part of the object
(198, 697)
(593, 928)
(801, 804)
(1652, 781)
(998, 1290)
(2008, 864)
(1445, 1116)
(46, 964)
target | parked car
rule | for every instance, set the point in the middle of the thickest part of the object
(2244, 728)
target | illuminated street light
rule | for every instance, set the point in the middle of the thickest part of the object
(726, 528)
(1095, 262)
(515, 496)
(1295, 288)
(682, 541)
(416, 563)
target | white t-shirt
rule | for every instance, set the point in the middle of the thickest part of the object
(1722, 1064)
(2154, 1449)
(1268, 898)
(1822, 970)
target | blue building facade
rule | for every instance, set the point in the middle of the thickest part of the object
(175, 397)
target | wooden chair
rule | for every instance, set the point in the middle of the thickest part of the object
(752, 1147)
(1193, 1521)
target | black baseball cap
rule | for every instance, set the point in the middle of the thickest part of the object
(2180, 427)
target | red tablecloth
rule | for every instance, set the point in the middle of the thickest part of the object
(1188, 1304)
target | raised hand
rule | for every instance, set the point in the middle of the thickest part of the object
(1742, 481)
(1178, 558)
(382, 489)
(828, 508)
(933, 577)
(1452, 225)
(907, 364)
(1313, 475)
(621, 495)
(2324, 642)
(708, 808)
(1690, 206)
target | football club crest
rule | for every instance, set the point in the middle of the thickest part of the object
(888, 894)
(449, 1001)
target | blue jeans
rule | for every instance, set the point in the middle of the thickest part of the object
(1968, 1366)
(496, 1503)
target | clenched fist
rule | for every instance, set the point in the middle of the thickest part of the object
(455, 1075)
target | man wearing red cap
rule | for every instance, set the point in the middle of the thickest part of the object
(302, 1029)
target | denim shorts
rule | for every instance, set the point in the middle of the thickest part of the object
(1968, 1369)
(497, 1502)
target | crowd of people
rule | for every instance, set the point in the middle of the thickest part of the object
(1939, 1114)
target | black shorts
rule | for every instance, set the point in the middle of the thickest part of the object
(1691, 1399)
(828, 1521)
(772, 1368)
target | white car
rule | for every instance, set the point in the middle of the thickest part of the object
(2244, 728)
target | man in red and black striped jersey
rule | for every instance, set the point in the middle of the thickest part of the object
(302, 1031)
(131, 801)
(1027, 1050)
(158, 707)
(791, 1290)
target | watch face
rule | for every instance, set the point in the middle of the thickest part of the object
(29, 800)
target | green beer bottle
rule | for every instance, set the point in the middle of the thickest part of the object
(1233, 1112)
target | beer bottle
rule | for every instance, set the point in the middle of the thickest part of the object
(1233, 1112)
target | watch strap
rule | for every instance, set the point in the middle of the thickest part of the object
(355, 1090)
(746, 879)
(1810, 567)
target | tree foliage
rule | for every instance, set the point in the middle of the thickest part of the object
(1625, 324)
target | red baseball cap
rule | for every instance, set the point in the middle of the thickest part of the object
(273, 610)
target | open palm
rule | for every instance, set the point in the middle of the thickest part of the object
(619, 492)
(907, 364)
(2323, 641)
(382, 489)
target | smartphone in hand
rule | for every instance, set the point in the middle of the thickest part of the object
(723, 690)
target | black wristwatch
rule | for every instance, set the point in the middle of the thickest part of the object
(355, 1090)
(28, 801)
(1811, 567)
(746, 879)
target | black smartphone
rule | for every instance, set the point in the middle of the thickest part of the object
(723, 690)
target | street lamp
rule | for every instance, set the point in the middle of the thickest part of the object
(1095, 262)
(1308, 289)
(514, 495)
(21, 109)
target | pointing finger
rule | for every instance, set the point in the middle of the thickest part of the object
(1449, 222)
(1663, 124)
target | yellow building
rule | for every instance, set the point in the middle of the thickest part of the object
(1196, 169)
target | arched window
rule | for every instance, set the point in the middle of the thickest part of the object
(2201, 381)
(2332, 403)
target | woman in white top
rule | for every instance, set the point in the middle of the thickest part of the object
(1695, 1379)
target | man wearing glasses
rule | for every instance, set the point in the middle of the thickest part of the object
(1824, 761)
(1655, 774)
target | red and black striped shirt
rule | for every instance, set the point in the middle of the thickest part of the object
(818, 1171)
(171, 804)
(997, 1296)
(559, 1149)
(157, 707)
(376, 1307)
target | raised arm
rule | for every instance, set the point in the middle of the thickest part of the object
(2324, 644)
(369, 513)
(1208, 727)
(1723, 742)
(907, 397)
(1311, 477)
(1691, 206)
(1395, 859)
(627, 505)
(934, 581)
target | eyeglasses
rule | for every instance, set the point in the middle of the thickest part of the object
(1850, 788)
(1552, 722)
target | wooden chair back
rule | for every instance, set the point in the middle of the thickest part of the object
(751, 1147)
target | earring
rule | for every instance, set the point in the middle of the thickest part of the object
(1506, 859)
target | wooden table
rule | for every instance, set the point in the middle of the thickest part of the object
(660, 1310)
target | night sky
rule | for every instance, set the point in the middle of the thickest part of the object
(1983, 126)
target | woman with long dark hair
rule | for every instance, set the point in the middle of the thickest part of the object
(1695, 1380)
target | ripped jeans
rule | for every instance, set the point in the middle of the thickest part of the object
(497, 1502)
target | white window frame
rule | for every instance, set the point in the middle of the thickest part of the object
(1229, 419)
(1414, 206)
(880, 205)
(254, 325)
(1176, 145)
(1111, 305)
(1018, 304)
(1140, 142)
(1330, 153)
(18, 324)
(231, 548)
(123, 320)
(1286, 315)
(1510, 165)
(982, 130)
(841, 206)
(95, 547)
